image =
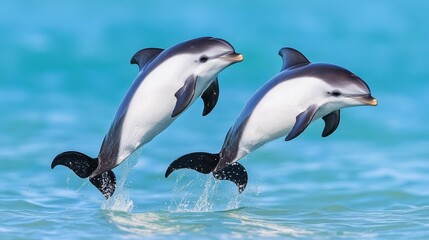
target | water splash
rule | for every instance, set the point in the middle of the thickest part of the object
(183, 203)
(215, 195)
(68, 180)
(234, 203)
(204, 204)
(120, 200)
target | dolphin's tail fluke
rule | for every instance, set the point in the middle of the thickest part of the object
(206, 163)
(84, 166)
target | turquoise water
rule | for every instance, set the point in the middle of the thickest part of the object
(64, 68)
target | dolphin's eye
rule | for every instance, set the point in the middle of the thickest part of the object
(336, 93)
(204, 59)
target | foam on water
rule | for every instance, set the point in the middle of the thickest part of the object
(145, 224)
(264, 228)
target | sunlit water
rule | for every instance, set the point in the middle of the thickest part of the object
(64, 68)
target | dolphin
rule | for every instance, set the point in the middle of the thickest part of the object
(168, 82)
(299, 94)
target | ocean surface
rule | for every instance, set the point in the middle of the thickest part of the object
(64, 68)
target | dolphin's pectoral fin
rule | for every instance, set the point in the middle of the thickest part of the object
(332, 121)
(184, 95)
(80, 163)
(105, 182)
(234, 172)
(302, 121)
(210, 97)
(145, 56)
(292, 58)
(198, 161)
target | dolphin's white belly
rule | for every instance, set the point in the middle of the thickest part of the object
(274, 116)
(150, 108)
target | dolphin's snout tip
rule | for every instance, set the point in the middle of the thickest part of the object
(373, 102)
(233, 57)
(239, 57)
(367, 100)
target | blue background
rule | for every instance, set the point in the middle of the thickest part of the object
(64, 68)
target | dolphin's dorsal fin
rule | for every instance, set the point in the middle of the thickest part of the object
(292, 58)
(145, 56)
